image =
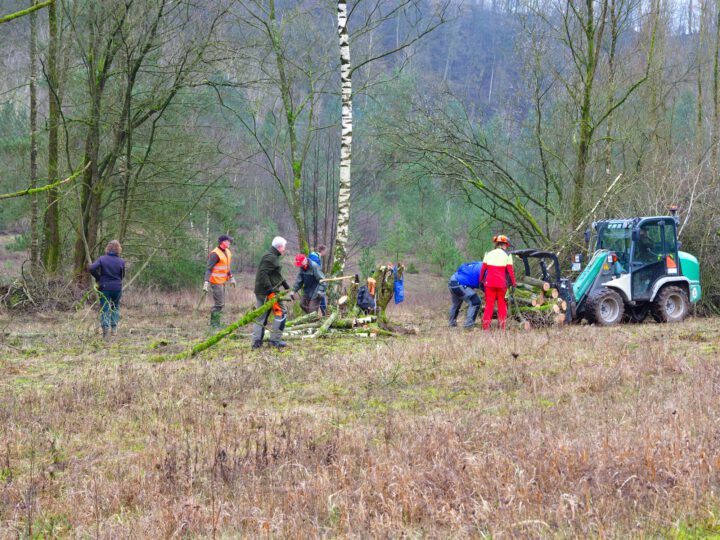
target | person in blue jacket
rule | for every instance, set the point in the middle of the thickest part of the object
(317, 257)
(109, 271)
(463, 285)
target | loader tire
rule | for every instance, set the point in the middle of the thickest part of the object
(604, 307)
(671, 305)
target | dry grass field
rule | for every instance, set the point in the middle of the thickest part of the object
(565, 433)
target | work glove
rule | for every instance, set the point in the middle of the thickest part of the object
(293, 296)
(233, 282)
(512, 290)
(206, 286)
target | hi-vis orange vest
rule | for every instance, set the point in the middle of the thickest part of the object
(221, 270)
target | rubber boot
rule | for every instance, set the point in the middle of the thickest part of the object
(215, 320)
(113, 331)
(257, 344)
(106, 333)
(278, 344)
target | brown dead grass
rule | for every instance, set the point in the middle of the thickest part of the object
(576, 432)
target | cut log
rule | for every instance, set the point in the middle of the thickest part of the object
(325, 326)
(353, 323)
(544, 285)
(310, 317)
(554, 293)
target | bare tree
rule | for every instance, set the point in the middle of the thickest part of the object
(375, 14)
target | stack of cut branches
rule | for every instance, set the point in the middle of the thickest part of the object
(537, 304)
(312, 327)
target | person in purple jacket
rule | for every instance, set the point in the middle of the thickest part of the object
(109, 271)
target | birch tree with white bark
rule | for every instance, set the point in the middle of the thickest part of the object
(372, 14)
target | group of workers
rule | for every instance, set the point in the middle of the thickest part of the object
(492, 276)
(268, 279)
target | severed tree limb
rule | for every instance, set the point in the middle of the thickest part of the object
(245, 319)
(23, 12)
(326, 325)
(309, 318)
(33, 191)
(591, 213)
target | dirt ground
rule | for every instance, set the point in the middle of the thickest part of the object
(564, 432)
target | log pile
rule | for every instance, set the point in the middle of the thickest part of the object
(313, 327)
(537, 304)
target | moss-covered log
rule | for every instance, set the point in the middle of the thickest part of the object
(309, 318)
(23, 12)
(245, 319)
(325, 326)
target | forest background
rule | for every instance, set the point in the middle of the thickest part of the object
(469, 119)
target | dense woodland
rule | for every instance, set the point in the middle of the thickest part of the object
(176, 121)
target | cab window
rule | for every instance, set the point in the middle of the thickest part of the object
(649, 247)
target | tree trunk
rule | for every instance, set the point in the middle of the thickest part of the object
(86, 237)
(716, 98)
(290, 116)
(593, 35)
(51, 244)
(127, 177)
(34, 247)
(614, 35)
(699, 135)
(343, 220)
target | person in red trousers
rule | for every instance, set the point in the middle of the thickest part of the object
(496, 268)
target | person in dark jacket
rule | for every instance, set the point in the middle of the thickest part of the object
(317, 257)
(267, 279)
(309, 280)
(462, 287)
(109, 271)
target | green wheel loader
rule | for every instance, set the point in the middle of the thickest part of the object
(635, 269)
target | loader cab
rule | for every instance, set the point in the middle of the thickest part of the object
(646, 250)
(654, 255)
(614, 236)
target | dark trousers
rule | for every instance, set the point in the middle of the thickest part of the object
(280, 312)
(218, 292)
(458, 295)
(308, 305)
(110, 308)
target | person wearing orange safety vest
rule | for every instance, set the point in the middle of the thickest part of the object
(497, 267)
(217, 274)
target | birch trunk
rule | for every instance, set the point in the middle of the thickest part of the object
(343, 220)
